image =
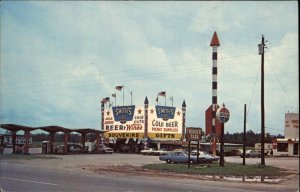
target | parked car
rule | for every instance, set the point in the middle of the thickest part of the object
(180, 157)
(163, 152)
(152, 151)
(235, 152)
(71, 148)
(207, 158)
(104, 149)
(74, 148)
(149, 151)
(252, 153)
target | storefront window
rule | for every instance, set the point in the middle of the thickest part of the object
(282, 147)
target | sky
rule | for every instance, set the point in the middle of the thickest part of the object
(60, 58)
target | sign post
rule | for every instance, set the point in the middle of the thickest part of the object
(223, 116)
(193, 134)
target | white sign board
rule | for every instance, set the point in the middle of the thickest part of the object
(124, 122)
(291, 126)
(164, 122)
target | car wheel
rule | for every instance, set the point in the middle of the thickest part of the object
(168, 161)
(191, 161)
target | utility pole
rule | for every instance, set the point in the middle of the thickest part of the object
(261, 50)
(244, 145)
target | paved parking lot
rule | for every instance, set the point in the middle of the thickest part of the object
(289, 163)
(121, 159)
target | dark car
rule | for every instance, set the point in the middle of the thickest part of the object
(252, 153)
(179, 157)
(71, 148)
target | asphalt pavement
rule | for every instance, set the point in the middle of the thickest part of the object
(20, 177)
(68, 173)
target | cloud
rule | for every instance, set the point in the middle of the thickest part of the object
(59, 59)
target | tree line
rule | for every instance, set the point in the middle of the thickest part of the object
(251, 138)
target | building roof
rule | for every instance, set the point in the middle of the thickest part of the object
(14, 127)
(50, 129)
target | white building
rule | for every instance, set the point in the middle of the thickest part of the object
(289, 146)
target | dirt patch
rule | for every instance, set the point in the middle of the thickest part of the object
(141, 171)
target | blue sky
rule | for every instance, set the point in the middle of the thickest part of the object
(59, 59)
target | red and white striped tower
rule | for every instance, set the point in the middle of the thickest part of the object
(214, 44)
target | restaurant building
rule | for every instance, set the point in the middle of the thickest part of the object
(289, 145)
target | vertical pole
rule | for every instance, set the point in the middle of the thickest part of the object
(183, 119)
(123, 94)
(51, 142)
(66, 135)
(244, 139)
(198, 143)
(115, 99)
(83, 141)
(222, 146)
(102, 115)
(97, 141)
(14, 137)
(146, 102)
(189, 163)
(131, 97)
(26, 145)
(262, 105)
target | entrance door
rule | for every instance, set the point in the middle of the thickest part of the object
(296, 148)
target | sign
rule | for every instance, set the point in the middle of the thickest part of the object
(124, 122)
(165, 123)
(193, 134)
(291, 126)
(20, 140)
(164, 112)
(123, 113)
(223, 114)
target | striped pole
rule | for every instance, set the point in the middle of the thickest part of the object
(214, 44)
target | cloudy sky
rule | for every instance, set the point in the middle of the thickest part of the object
(59, 59)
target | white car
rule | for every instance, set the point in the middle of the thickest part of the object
(152, 151)
(104, 149)
(208, 158)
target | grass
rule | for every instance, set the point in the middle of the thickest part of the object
(230, 169)
(25, 157)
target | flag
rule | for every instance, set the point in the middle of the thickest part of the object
(113, 95)
(119, 88)
(105, 100)
(163, 93)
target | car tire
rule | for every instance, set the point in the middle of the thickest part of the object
(168, 161)
(192, 162)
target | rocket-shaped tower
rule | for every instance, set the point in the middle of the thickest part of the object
(214, 44)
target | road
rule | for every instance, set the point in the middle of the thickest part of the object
(34, 175)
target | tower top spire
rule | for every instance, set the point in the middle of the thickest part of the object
(215, 40)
